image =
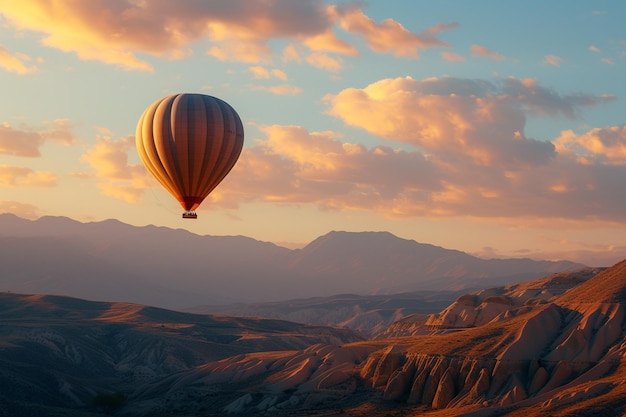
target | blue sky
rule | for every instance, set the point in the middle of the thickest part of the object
(496, 128)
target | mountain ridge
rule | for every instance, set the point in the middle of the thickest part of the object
(175, 268)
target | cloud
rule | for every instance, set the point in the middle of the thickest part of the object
(467, 155)
(448, 115)
(15, 63)
(544, 101)
(292, 53)
(552, 60)
(593, 48)
(27, 142)
(19, 142)
(606, 146)
(608, 61)
(126, 33)
(328, 42)
(116, 32)
(279, 74)
(325, 62)
(118, 178)
(483, 119)
(452, 57)
(260, 72)
(297, 166)
(24, 210)
(388, 37)
(129, 193)
(13, 176)
(478, 50)
(282, 89)
(293, 166)
(60, 131)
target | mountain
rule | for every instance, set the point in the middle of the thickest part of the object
(113, 261)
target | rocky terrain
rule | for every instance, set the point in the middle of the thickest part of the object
(553, 346)
(491, 304)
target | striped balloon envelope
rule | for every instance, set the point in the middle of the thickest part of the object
(189, 143)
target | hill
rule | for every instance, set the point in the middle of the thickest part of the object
(552, 346)
(57, 354)
(112, 261)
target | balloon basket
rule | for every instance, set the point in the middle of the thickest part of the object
(190, 215)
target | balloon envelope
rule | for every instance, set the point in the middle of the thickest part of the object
(189, 142)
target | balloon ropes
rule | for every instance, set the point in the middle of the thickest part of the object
(189, 143)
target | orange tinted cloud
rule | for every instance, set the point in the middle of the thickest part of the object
(15, 63)
(483, 120)
(605, 145)
(552, 60)
(28, 141)
(118, 179)
(19, 142)
(478, 50)
(109, 158)
(282, 89)
(296, 166)
(328, 42)
(13, 176)
(260, 72)
(324, 61)
(117, 32)
(388, 36)
(292, 53)
(470, 157)
(24, 210)
(293, 165)
(452, 57)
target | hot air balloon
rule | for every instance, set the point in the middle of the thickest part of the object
(189, 142)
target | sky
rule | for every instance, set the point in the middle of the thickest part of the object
(494, 128)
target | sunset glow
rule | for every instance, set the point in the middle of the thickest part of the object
(450, 123)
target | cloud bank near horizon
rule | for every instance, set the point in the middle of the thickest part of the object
(468, 156)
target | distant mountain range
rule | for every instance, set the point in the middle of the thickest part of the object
(173, 268)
